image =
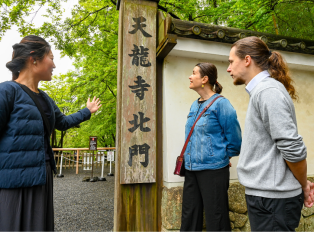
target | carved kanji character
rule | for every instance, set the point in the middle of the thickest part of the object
(140, 87)
(140, 57)
(139, 124)
(139, 26)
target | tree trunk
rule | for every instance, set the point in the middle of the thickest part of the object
(275, 24)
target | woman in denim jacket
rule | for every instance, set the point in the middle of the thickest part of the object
(215, 139)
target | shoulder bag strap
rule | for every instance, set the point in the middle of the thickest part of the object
(43, 115)
(191, 131)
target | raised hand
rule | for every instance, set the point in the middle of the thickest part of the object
(93, 106)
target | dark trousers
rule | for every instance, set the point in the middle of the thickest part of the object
(207, 190)
(273, 214)
(28, 209)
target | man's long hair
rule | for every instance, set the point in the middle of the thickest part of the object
(266, 60)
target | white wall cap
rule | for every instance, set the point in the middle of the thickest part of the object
(202, 49)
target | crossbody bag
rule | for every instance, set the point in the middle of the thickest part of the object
(180, 169)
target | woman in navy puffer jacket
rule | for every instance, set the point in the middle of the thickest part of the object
(26, 157)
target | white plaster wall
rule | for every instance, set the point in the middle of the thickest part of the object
(304, 82)
(177, 97)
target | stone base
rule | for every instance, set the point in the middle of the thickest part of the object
(163, 229)
(171, 211)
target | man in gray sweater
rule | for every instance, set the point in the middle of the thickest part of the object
(272, 164)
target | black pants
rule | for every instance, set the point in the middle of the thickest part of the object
(28, 209)
(268, 214)
(207, 190)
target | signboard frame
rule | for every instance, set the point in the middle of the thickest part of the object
(93, 143)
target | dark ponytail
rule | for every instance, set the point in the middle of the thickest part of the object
(30, 46)
(279, 70)
(218, 87)
(266, 60)
(210, 70)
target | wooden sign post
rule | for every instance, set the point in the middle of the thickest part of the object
(138, 115)
(136, 160)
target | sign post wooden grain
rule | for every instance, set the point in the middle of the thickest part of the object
(136, 183)
(138, 115)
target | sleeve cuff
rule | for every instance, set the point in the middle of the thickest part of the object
(232, 154)
(86, 113)
(295, 159)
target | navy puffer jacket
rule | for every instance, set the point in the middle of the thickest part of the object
(22, 151)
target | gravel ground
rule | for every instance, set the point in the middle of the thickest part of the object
(83, 206)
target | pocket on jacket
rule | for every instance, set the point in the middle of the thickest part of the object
(189, 121)
(204, 119)
(207, 150)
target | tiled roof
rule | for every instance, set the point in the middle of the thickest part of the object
(230, 35)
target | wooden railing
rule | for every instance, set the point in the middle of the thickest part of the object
(71, 157)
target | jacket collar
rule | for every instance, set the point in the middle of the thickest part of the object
(256, 80)
(202, 106)
(52, 118)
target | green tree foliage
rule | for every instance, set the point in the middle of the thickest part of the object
(90, 37)
(58, 90)
(16, 12)
(293, 18)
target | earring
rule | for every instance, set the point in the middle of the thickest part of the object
(202, 86)
(35, 62)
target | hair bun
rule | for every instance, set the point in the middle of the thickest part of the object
(18, 46)
(15, 65)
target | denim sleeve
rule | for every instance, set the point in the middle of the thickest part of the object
(64, 122)
(6, 104)
(229, 123)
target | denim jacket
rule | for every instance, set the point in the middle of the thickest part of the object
(216, 136)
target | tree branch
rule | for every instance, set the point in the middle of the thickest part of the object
(190, 17)
(286, 22)
(36, 13)
(171, 4)
(89, 25)
(111, 90)
(308, 9)
(249, 24)
(90, 13)
(166, 10)
(200, 16)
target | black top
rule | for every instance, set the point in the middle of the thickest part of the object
(47, 112)
(201, 102)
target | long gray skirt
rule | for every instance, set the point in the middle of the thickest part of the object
(28, 208)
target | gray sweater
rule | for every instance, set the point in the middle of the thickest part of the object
(270, 137)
